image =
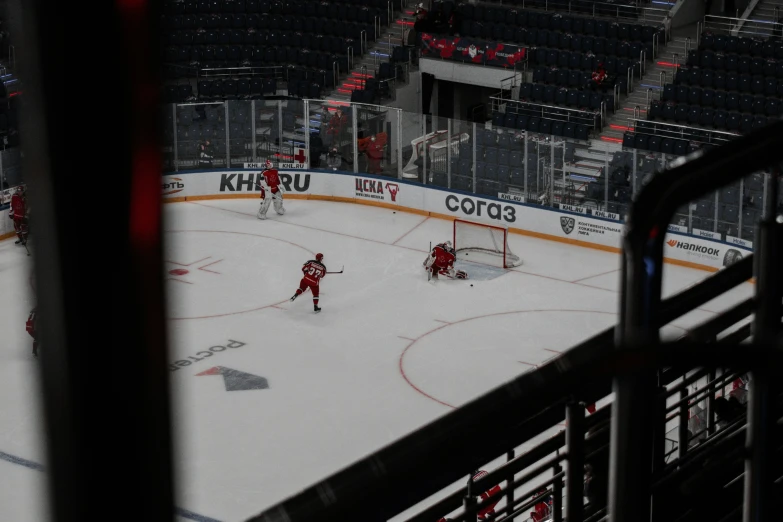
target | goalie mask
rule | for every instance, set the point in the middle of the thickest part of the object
(268, 165)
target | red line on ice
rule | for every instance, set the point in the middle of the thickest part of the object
(179, 280)
(411, 230)
(401, 364)
(204, 268)
(193, 263)
(596, 275)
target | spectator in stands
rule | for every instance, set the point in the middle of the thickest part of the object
(335, 126)
(333, 159)
(739, 390)
(599, 75)
(205, 154)
(727, 411)
(543, 507)
(596, 468)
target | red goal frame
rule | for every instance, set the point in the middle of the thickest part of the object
(484, 225)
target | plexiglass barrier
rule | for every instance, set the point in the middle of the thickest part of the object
(475, 158)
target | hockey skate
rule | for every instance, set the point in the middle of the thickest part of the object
(293, 298)
(316, 308)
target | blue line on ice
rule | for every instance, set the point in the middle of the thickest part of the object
(184, 513)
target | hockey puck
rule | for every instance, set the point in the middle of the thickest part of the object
(471, 285)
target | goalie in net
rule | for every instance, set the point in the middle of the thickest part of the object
(490, 241)
(440, 262)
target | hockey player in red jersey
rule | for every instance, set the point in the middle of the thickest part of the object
(441, 262)
(313, 271)
(30, 327)
(489, 509)
(18, 214)
(270, 191)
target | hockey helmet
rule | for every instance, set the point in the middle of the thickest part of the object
(319, 257)
(268, 164)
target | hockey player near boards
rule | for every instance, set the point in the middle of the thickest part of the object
(313, 271)
(271, 191)
(18, 214)
(205, 155)
(30, 327)
(441, 262)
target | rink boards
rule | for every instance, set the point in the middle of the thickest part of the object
(521, 218)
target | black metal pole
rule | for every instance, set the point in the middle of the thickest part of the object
(575, 474)
(469, 502)
(711, 405)
(510, 485)
(557, 495)
(682, 428)
(766, 331)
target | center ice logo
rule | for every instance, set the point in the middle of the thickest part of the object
(374, 189)
(567, 224)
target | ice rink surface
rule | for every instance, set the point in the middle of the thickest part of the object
(270, 397)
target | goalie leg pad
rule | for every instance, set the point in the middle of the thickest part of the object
(264, 208)
(278, 202)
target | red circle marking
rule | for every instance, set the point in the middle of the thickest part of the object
(242, 234)
(178, 271)
(446, 325)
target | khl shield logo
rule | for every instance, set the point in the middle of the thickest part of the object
(567, 224)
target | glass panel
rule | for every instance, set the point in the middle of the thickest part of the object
(329, 126)
(267, 117)
(377, 131)
(168, 129)
(201, 133)
(293, 128)
(240, 128)
(412, 143)
(752, 203)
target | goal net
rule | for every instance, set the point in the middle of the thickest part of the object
(489, 241)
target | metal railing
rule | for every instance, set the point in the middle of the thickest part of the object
(551, 112)
(632, 427)
(673, 130)
(736, 26)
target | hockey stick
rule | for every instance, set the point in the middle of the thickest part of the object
(25, 247)
(340, 272)
(429, 272)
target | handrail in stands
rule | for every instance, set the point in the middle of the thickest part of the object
(654, 207)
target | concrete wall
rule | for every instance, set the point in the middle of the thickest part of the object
(687, 12)
(469, 74)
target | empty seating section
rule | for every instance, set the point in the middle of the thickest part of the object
(729, 83)
(556, 30)
(311, 40)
